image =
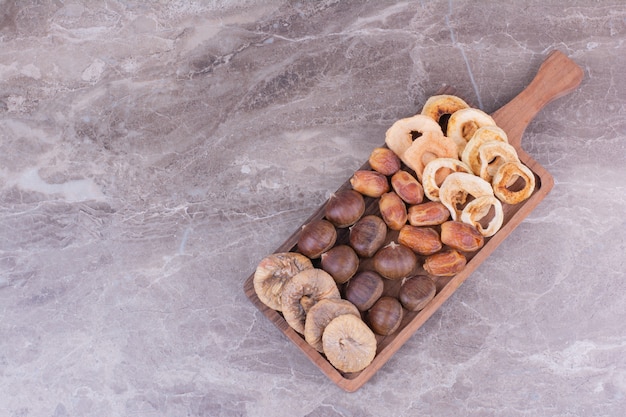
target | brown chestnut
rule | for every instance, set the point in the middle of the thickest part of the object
(416, 292)
(395, 261)
(368, 235)
(344, 208)
(385, 316)
(341, 262)
(316, 238)
(364, 289)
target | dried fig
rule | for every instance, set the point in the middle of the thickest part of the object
(321, 314)
(302, 292)
(273, 272)
(349, 345)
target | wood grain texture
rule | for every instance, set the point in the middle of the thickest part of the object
(557, 76)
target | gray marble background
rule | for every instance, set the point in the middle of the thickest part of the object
(152, 153)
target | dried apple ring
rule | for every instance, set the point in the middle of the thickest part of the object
(399, 136)
(478, 209)
(273, 272)
(457, 186)
(506, 176)
(426, 148)
(437, 106)
(463, 124)
(482, 135)
(492, 155)
(430, 179)
(303, 291)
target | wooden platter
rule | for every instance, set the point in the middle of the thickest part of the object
(557, 76)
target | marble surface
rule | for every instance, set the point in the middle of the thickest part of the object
(152, 153)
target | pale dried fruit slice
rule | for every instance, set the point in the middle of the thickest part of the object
(400, 135)
(476, 211)
(349, 345)
(426, 148)
(321, 314)
(437, 106)
(505, 180)
(457, 186)
(485, 134)
(303, 291)
(463, 124)
(492, 156)
(273, 272)
(431, 180)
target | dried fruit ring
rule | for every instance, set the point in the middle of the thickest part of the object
(303, 291)
(426, 148)
(349, 345)
(483, 135)
(477, 210)
(399, 136)
(463, 124)
(457, 186)
(273, 272)
(492, 155)
(437, 106)
(430, 179)
(506, 176)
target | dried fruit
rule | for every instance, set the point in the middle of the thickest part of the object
(321, 314)
(344, 208)
(437, 106)
(457, 186)
(436, 171)
(370, 183)
(316, 238)
(461, 236)
(505, 179)
(426, 148)
(385, 316)
(364, 289)
(492, 156)
(349, 345)
(395, 261)
(407, 187)
(385, 161)
(392, 210)
(302, 292)
(470, 155)
(273, 272)
(399, 136)
(341, 262)
(368, 235)
(422, 240)
(463, 124)
(430, 213)
(477, 212)
(445, 264)
(416, 292)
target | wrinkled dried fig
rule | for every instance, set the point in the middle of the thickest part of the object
(349, 345)
(273, 272)
(321, 314)
(302, 292)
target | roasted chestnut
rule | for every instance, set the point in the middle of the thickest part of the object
(341, 262)
(395, 261)
(416, 292)
(344, 208)
(316, 238)
(385, 316)
(368, 235)
(364, 289)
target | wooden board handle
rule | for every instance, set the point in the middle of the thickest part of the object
(557, 76)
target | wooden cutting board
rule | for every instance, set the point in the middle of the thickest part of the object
(557, 76)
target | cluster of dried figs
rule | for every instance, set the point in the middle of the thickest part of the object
(414, 216)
